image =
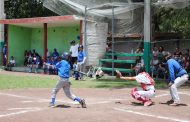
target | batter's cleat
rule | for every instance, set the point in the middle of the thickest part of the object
(51, 104)
(170, 102)
(83, 104)
(148, 103)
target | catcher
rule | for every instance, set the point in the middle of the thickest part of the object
(147, 85)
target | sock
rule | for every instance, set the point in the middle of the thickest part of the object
(77, 99)
(53, 100)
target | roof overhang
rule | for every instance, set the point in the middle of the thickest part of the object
(38, 22)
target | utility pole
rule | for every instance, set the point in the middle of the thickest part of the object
(147, 23)
(2, 16)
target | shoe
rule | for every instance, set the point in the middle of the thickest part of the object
(148, 103)
(83, 104)
(51, 104)
(170, 102)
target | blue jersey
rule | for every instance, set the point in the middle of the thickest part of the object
(175, 70)
(63, 69)
(81, 56)
(55, 54)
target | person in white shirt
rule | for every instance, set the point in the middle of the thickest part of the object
(11, 64)
(73, 52)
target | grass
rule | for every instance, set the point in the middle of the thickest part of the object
(18, 81)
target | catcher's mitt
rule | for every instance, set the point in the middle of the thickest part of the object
(118, 74)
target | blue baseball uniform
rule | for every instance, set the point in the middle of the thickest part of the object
(177, 76)
(63, 68)
(80, 62)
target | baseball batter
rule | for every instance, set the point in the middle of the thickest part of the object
(147, 85)
(63, 72)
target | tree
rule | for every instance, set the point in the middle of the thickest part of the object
(26, 9)
(173, 20)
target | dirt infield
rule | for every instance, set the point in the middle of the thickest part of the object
(103, 105)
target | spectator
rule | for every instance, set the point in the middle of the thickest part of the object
(5, 55)
(161, 54)
(47, 66)
(187, 54)
(139, 65)
(55, 54)
(11, 64)
(154, 62)
(161, 71)
(26, 57)
(177, 55)
(185, 64)
(35, 63)
(81, 60)
(47, 53)
(73, 52)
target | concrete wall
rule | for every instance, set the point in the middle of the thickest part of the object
(96, 41)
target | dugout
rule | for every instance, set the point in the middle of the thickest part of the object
(40, 34)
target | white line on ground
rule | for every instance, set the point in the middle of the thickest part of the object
(151, 115)
(22, 112)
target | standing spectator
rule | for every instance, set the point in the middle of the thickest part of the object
(11, 64)
(73, 52)
(154, 62)
(81, 60)
(25, 57)
(5, 55)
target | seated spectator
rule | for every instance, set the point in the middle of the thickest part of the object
(161, 70)
(47, 66)
(186, 64)
(178, 55)
(54, 62)
(34, 63)
(187, 54)
(11, 64)
(139, 65)
(55, 54)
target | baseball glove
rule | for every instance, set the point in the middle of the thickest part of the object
(118, 74)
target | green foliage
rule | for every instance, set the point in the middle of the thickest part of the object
(173, 20)
(26, 9)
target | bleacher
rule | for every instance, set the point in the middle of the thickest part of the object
(128, 62)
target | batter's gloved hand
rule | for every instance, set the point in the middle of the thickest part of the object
(118, 75)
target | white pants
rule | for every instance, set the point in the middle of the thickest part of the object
(142, 95)
(173, 88)
(65, 84)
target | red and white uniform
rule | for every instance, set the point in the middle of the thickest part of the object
(147, 85)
